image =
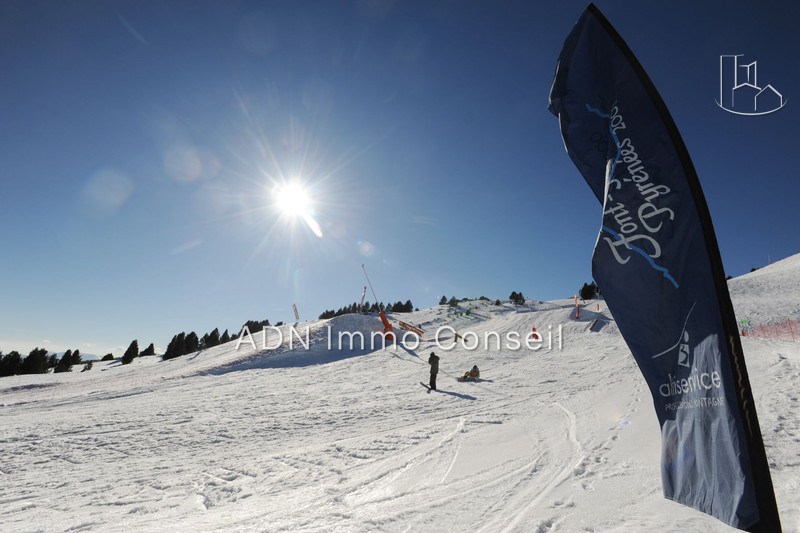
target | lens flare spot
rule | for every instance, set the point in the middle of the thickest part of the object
(106, 192)
(313, 225)
(337, 229)
(366, 248)
(183, 163)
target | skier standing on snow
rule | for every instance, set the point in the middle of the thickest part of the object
(433, 360)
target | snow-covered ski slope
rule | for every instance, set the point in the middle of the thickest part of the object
(324, 440)
(770, 294)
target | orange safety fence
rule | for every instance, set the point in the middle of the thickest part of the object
(788, 330)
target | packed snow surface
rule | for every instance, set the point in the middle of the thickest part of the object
(307, 438)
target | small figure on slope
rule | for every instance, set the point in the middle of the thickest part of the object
(472, 375)
(433, 360)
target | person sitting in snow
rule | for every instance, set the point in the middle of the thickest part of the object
(472, 375)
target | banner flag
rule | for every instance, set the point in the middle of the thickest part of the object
(296, 314)
(657, 262)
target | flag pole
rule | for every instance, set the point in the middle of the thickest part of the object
(769, 517)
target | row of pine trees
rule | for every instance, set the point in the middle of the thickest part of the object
(368, 308)
(39, 361)
(185, 343)
(133, 352)
(453, 302)
(182, 344)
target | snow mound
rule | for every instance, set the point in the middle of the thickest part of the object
(768, 295)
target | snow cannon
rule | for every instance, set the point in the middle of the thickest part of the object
(387, 327)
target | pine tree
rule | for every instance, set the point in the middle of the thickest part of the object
(180, 344)
(176, 347)
(517, 298)
(150, 350)
(170, 353)
(587, 292)
(76, 357)
(254, 325)
(213, 338)
(131, 353)
(192, 343)
(65, 363)
(226, 337)
(35, 363)
(443, 301)
(108, 357)
(10, 364)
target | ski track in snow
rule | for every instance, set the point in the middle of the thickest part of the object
(280, 439)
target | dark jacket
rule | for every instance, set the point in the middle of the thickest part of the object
(433, 360)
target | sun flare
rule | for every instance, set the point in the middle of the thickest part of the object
(292, 200)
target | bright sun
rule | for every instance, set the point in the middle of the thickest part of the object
(292, 200)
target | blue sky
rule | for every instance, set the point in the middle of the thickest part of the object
(140, 143)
